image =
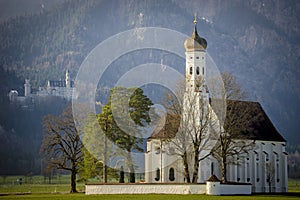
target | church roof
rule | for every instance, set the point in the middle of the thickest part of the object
(256, 124)
(167, 127)
(213, 178)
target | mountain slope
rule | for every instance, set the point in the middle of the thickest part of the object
(257, 41)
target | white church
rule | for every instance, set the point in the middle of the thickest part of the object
(162, 165)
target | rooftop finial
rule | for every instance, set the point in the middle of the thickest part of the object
(195, 18)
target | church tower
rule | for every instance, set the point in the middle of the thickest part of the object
(195, 57)
(195, 72)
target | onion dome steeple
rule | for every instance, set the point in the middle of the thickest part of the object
(195, 43)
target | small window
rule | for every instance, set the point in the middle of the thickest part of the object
(277, 172)
(197, 57)
(212, 168)
(238, 172)
(277, 157)
(202, 70)
(257, 172)
(191, 57)
(197, 71)
(157, 150)
(191, 70)
(248, 172)
(157, 174)
(202, 58)
(171, 174)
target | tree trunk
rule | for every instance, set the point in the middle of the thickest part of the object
(224, 170)
(186, 168)
(131, 167)
(105, 155)
(73, 179)
(122, 178)
(196, 166)
(105, 160)
(132, 175)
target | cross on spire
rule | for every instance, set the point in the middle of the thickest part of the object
(195, 18)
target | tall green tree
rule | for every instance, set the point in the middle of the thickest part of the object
(96, 150)
(126, 111)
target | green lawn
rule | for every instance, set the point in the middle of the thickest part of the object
(38, 188)
(37, 184)
(141, 197)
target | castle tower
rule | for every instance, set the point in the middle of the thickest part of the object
(68, 80)
(27, 88)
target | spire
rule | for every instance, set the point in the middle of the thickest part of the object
(195, 42)
(195, 18)
(195, 33)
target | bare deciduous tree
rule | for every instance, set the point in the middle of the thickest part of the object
(239, 116)
(270, 175)
(61, 144)
(196, 118)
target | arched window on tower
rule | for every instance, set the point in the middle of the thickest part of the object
(171, 174)
(212, 168)
(257, 172)
(191, 70)
(202, 70)
(157, 177)
(248, 172)
(277, 172)
(238, 173)
(197, 70)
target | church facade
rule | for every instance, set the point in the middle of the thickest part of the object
(264, 166)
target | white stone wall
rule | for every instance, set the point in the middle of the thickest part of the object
(145, 189)
(213, 188)
(227, 189)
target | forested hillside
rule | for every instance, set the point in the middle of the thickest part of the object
(257, 41)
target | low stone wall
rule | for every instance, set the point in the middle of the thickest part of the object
(211, 188)
(227, 189)
(146, 189)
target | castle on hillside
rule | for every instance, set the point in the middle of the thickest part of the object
(264, 166)
(59, 88)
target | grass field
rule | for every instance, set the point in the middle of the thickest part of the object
(38, 188)
(142, 197)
